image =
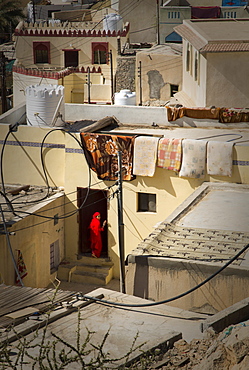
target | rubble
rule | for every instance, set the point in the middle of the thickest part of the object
(228, 350)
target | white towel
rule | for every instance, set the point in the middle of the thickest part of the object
(193, 158)
(220, 158)
(145, 155)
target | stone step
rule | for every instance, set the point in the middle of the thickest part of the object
(84, 277)
(87, 270)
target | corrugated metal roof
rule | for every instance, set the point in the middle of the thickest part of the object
(14, 298)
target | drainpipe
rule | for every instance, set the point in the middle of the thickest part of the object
(121, 224)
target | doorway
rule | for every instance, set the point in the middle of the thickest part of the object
(93, 201)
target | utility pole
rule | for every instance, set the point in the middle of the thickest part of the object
(140, 82)
(158, 21)
(3, 82)
(112, 84)
(121, 224)
(88, 86)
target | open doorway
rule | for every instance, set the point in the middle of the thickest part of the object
(94, 201)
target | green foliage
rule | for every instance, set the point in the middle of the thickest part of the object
(10, 14)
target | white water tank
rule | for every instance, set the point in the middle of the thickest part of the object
(125, 97)
(113, 22)
(45, 105)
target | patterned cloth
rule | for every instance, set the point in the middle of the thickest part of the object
(145, 155)
(193, 158)
(170, 154)
(220, 158)
(174, 113)
(22, 270)
(233, 115)
(101, 155)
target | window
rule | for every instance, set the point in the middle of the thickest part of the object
(173, 15)
(71, 58)
(41, 52)
(229, 15)
(173, 89)
(99, 52)
(54, 256)
(146, 202)
(189, 58)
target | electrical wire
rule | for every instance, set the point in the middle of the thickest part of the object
(176, 297)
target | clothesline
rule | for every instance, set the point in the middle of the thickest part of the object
(141, 155)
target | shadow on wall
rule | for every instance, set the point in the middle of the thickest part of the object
(141, 288)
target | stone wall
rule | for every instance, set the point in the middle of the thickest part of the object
(125, 74)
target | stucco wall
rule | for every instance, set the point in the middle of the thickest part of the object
(142, 18)
(160, 278)
(66, 166)
(33, 237)
(221, 83)
(160, 68)
(227, 85)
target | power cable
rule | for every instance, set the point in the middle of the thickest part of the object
(176, 297)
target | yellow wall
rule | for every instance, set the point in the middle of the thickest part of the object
(33, 236)
(67, 167)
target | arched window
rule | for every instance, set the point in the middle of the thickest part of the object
(99, 52)
(41, 52)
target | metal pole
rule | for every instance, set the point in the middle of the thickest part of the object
(140, 82)
(88, 86)
(9, 246)
(3, 82)
(158, 22)
(121, 224)
(112, 84)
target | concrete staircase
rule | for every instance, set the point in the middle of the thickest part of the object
(87, 270)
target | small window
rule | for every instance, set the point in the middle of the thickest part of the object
(54, 256)
(146, 202)
(173, 89)
(41, 52)
(99, 53)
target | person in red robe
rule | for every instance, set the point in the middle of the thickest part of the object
(95, 234)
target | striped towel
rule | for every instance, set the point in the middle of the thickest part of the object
(145, 155)
(170, 154)
(220, 158)
(193, 158)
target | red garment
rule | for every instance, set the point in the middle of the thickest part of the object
(95, 235)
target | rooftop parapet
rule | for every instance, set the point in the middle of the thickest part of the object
(68, 29)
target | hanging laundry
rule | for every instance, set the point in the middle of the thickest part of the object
(145, 155)
(21, 267)
(170, 154)
(193, 158)
(233, 115)
(198, 12)
(101, 155)
(220, 158)
(174, 113)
